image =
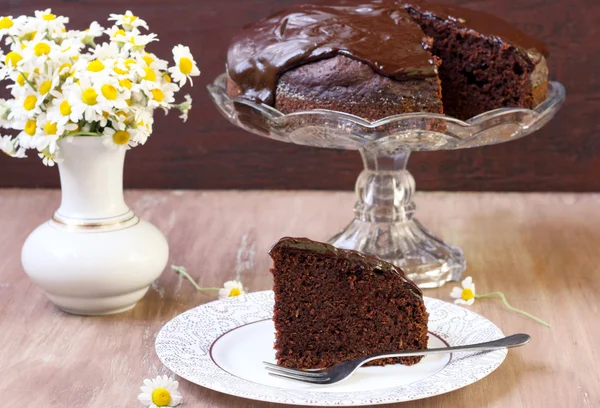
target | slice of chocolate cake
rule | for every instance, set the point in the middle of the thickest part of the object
(334, 305)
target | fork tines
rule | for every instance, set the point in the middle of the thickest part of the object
(312, 377)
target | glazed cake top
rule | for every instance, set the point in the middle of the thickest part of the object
(371, 262)
(381, 34)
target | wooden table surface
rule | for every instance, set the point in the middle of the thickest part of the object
(541, 250)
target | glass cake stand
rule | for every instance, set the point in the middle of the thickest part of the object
(384, 223)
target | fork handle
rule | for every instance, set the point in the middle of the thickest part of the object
(515, 340)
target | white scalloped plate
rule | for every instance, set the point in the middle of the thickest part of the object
(221, 346)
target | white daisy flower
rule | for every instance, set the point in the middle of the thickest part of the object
(61, 110)
(137, 42)
(83, 98)
(46, 83)
(119, 139)
(231, 289)
(185, 107)
(128, 20)
(117, 34)
(153, 62)
(27, 137)
(160, 392)
(94, 30)
(9, 147)
(50, 19)
(27, 105)
(93, 68)
(185, 66)
(107, 51)
(148, 80)
(49, 159)
(10, 26)
(466, 294)
(38, 52)
(161, 96)
(112, 94)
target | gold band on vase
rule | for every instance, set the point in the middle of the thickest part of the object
(113, 224)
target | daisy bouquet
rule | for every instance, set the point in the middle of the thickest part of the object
(66, 83)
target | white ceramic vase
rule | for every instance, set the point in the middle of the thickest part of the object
(94, 257)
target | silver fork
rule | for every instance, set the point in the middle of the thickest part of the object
(340, 372)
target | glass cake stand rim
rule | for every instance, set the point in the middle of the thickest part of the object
(556, 97)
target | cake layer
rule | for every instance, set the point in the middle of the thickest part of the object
(334, 305)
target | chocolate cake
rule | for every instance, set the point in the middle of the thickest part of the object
(387, 57)
(334, 305)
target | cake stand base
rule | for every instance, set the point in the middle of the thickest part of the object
(425, 259)
(385, 226)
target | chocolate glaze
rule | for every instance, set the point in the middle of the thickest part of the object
(371, 262)
(380, 35)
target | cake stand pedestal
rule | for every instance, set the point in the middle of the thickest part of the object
(385, 223)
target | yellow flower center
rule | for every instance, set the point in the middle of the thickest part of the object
(161, 397)
(30, 127)
(129, 62)
(95, 66)
(122, 115)
(63, 66)
(125, 83)
(30, 102)
(467, 294)
(41, 49)
(75, 57)
(6, 22)
(235, 292)
(65, 108)
(21, 79)
(121, 137)
(131, 18)
(50, 128)
(185, 66)
(129, 102)
(13, 58)
(150, 75)
(49, 17)
(167, 78)
(157, 95)
(119, 32)
(109, 92)
(120, 71)
(89, 96)
(45, 87)
(148, 59)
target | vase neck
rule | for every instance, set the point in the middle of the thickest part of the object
(91, 177)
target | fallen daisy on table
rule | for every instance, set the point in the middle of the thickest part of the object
(160, 392)
(466, 295)
(230, 288)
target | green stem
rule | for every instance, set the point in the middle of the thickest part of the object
(513, 309)
(27, 80)
(183, 272)
(85, 134)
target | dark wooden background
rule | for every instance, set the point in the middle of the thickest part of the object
(208, 152)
